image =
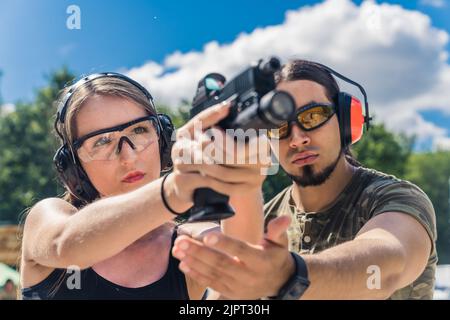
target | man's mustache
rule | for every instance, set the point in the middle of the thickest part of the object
(293, 152)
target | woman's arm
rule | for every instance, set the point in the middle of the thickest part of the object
(248, 222)
(57, 235)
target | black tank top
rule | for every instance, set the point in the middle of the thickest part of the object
(172, 286)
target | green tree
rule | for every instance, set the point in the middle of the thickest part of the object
(178, 115)
(383, 150)
(27, 145)
(431, 172)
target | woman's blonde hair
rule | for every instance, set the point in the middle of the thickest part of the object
(103, 86)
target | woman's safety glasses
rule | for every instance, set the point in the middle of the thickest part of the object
(308, 117)
(106, 144)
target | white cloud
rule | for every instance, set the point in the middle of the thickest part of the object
(433, 3)
(411, 123)
(397, 55)
(441, 143)
(7, 108)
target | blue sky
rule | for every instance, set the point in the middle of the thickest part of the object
(115, 34)
(118, 35)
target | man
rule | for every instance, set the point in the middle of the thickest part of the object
(358, 233)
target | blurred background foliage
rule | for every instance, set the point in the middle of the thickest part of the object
(28, 143)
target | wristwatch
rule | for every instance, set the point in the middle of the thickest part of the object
(297, 284)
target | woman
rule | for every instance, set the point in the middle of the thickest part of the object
(111, 235)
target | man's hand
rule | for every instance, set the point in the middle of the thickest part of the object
(235, 269)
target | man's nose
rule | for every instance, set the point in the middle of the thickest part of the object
(298, 137)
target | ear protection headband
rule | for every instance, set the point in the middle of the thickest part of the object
(349, 112)
(67, 164)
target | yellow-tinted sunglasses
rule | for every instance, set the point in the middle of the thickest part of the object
(308, 117)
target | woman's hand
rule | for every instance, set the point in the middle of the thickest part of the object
(206, 156)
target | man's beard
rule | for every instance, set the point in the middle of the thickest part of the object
(309, 178)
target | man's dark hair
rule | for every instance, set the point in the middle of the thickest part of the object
(307, 70)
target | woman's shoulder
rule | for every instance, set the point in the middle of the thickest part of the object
(53, 203)
(48, 208)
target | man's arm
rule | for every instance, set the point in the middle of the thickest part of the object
(395, 242)
(393, 246)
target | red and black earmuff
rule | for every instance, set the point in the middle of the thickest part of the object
(350, 112)
(67, 164)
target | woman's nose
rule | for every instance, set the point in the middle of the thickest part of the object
(126, 149)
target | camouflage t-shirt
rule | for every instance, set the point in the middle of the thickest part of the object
(369, 193)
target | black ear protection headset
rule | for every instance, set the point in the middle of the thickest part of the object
(66, 161)
(349, 112)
